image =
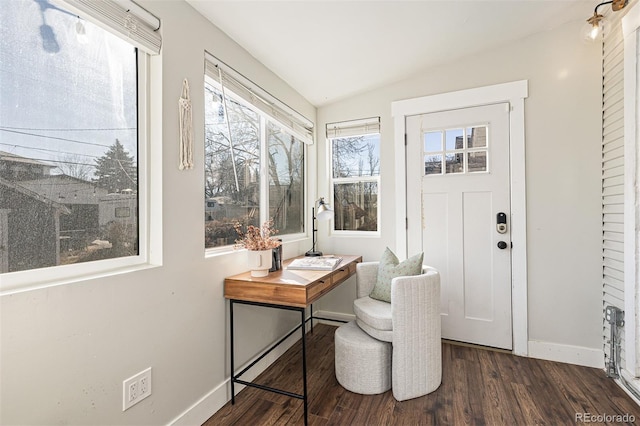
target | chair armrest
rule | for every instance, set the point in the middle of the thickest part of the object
(416, 300)
(417, 350)
(426, 269)
(366, 276)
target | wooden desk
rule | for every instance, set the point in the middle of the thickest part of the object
(287, 289)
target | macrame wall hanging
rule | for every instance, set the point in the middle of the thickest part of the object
(186, 128)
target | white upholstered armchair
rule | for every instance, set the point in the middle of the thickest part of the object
(411, 322)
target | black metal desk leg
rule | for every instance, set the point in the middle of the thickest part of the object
(304, 368)
(312, 318)
(233, 371)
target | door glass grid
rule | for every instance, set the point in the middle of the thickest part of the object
(456, 151)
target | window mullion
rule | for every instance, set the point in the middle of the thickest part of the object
(264, 175)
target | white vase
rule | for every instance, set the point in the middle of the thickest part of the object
(260, 262)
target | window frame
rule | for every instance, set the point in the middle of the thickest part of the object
(264, 172)
(351, 180)
(65, 274)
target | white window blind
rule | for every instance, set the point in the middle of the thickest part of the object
(298, 125)
(122, 17)
(365, 126)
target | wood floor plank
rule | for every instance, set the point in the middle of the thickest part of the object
(479, 387)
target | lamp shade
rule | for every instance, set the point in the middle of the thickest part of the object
(325, 212)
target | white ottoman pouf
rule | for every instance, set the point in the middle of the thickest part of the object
(363, 364)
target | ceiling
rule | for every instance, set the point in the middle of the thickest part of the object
(329, 50)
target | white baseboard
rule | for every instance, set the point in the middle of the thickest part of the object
(203, 409)
(333, 315)
(577, 355)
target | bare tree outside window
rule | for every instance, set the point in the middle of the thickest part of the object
(76, 165)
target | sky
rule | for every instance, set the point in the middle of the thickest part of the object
(64, 97)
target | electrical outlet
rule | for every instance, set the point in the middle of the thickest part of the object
(133, 391)
(136, 388)
(144, 385)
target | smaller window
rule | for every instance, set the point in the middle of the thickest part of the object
(355, 174)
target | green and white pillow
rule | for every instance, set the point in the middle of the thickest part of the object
(389, 268)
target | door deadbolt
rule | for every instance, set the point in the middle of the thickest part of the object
(501, 223)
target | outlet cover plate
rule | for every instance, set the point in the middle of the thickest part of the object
(136, 388)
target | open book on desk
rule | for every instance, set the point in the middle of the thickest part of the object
(318, 263)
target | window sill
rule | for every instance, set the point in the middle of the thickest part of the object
(11, 284)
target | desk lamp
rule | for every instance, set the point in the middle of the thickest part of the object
(325, 212)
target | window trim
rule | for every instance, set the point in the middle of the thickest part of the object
(32, 279)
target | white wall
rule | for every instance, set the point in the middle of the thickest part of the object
(65, 350)
(563, 160)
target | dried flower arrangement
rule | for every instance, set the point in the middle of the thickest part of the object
(256, 238)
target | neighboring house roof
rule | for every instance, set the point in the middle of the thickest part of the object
(16, 186)
(66, 189)
(9, 157)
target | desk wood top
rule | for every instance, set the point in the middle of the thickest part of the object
(289, 287)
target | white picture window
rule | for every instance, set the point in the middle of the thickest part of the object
(71, 144)
(254, 164)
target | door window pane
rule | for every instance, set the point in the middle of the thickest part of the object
(454, 139)
(433, 142)
(477, 137)
(477, 161)
(455, 163)
(433, 164)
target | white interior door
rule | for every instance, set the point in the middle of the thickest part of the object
(458, 212)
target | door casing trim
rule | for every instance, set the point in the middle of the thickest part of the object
(514, 93)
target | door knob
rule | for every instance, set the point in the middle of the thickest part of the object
(502, 245)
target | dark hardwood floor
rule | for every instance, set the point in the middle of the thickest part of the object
(479, 387)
